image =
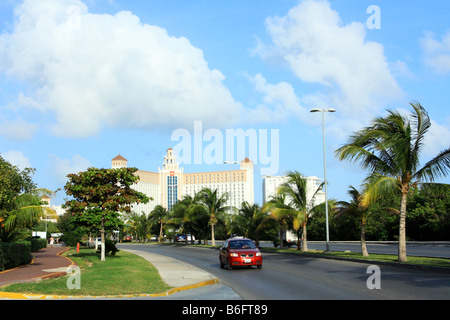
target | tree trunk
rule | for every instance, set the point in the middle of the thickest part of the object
(305, 243)
(102, 232)
(213, 241)
(281, 238)
(161, 236)
(402, 229)
(363, 240)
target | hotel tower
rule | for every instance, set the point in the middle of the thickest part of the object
(171, 184)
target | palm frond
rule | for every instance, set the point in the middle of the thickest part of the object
(375, 186)
(435, 168)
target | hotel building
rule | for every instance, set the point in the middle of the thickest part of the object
(271, 184)
(171, 184)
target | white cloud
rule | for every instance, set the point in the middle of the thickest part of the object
(353, 72)
(18, 130)
(93, 70)
(60, 168)
(437, 53)
(277, 102)
(17, 158)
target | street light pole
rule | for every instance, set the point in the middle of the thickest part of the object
(230, 163)
(325, 172)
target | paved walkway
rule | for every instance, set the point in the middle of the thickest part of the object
(188, 282)
(47, 263)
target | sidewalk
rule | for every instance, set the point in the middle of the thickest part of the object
(183, 277)
(47, 263)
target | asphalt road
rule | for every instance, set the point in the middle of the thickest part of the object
(285, 277)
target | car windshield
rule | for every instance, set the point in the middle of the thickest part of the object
(242, 244)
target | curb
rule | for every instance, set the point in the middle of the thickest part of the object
(27, 296)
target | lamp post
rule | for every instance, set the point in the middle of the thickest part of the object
(325, 171)
(230, 163)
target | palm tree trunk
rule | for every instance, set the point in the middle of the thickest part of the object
(402, 229)
(161, 236)
(213, 241)
(363, 240)
(305, 243)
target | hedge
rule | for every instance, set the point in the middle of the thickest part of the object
(14, 254)
(38, 244)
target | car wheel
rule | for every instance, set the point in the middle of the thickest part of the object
(221, 264)
(259, 267)
(229, 267)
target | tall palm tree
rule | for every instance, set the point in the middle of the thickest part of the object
(295, 191)
(215, 205)
(355, 208)
(390, 148)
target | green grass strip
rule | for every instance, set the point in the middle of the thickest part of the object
(122, 274)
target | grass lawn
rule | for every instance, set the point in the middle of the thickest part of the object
(124, 273)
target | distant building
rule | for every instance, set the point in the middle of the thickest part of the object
(171, 184)
(272, 183)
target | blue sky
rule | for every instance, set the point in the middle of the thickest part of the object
(82, 81)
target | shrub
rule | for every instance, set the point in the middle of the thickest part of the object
(14, 254)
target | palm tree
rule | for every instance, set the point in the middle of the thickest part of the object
(25, 211)
(295, 191)
(390, 148)
(160, 215)
(248, 221)
(215, 205)
(279, 212)
(355, 208)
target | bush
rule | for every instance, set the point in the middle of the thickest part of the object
(37, 244)
(14, 254)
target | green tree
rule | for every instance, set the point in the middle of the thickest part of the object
(354, 208)
(215, 206)
(20, 203)
(99, 195)
(390, 148)
(249, 221)
(280, 213)
(161, 216)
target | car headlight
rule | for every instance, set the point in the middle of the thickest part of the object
(258, 254)
(234, 254)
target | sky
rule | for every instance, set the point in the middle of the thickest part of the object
(84, 81)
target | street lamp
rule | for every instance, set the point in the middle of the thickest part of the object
(230, 163)
(325, 171)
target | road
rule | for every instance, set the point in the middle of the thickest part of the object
(285, 277)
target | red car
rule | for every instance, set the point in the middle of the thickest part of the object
(239, 252)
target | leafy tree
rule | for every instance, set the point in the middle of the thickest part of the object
(390, 148)
(215, 206)
(160, 215)
(279, 212)
(20, 203)
(355, 209)
(249, 221)
(99, 195)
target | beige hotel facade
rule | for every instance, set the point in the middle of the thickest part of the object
(171, 184)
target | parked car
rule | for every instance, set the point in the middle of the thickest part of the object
(190, 237)
(239, 252)
(181, 237)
